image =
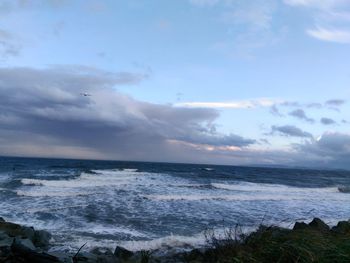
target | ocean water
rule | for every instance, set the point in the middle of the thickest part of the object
(154, 205)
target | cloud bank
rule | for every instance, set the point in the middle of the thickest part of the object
(43, 112)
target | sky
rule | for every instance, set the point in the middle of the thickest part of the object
(238, 82)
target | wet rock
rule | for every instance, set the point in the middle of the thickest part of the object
(300, 226)
(122, 253)
(343, 227)
(318, 224)
(5, 240)
(25, 242)
(63, 257)
(15, 230)
(23, 254)
(104, 255)
(42, 238)
(85, 257)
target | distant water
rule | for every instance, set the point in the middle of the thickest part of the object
(150, 205)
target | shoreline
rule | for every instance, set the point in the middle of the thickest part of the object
(308, 242)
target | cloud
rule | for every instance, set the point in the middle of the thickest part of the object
(291, 131)
(331, 19)
(332, 35)
(335, 102)
(44, 109)
(328, 121)
(8, 45)
(300, 114)
(331, 149)
(243, 104)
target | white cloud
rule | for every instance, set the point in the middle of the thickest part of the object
(331, 19)
(243, 104)
(331, 35)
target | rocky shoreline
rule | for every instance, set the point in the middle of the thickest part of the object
(313, 242)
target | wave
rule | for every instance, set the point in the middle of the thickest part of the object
(167, 242)
(97, 178)
(260, 187)
(51, 193)
(246, 197)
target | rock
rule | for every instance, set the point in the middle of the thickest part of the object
(300, 226)
(42, 238)
(4, 253)
(104, 255)
(25, 242)
(85, 257)
(318, 224)
(342, 227)
(15, 230)
(63, 257)
(122, 253)
(2, 220)
(24, 254)
(5, 240)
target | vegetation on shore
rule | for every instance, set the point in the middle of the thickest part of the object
(313, 242)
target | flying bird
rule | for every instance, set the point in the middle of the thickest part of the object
(85, 94)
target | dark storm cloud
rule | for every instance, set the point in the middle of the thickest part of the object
(300, 114)
(289, 130)
(53, 106)
(331, 149)
(327, 121)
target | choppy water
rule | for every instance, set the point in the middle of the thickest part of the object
(150, 205)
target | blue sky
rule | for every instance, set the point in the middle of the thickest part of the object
(273, 71)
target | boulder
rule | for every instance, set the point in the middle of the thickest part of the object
(342, 227)
(319, 225)
(42, 238)
(15, 230)
(104, 255)
(24, 254)
(25, 242)
(5, 240)
(300, 226)
(122, 253)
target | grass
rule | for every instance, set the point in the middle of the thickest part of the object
(275, 244)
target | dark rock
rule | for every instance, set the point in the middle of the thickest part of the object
(5, 252)
(318, 224)
(63, 257)
(104, 255)
(300, 226)
(2, 220)
(24, 254)
(15, 230)
(85, 257)
(25, 242)
(5, 240)
(342, 227)
(194, 255)
(122, 253)
(42, 238)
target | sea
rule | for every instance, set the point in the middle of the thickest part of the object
(141, 205)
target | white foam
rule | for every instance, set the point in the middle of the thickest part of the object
(41, 193)
(259, 187)
(112, 230)
(172, 241)
(85, 180)
(243, 197)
